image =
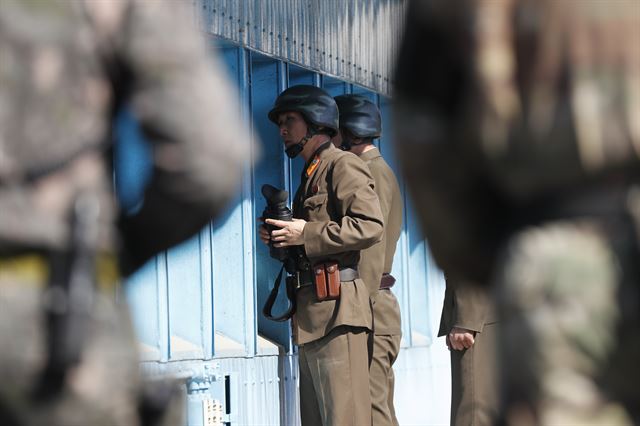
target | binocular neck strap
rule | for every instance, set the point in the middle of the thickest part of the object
(296, 149)
(268, 305)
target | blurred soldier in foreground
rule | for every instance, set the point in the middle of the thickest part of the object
(520, 130)
(360, 124)
(67, 352)
(336, 214)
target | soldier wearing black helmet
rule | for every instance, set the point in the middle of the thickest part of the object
(336, 214)
(360, 124)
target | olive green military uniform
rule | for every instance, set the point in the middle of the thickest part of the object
(474, 386)
(520, 142)
(66, 68)
(374, 262)
(342, 211)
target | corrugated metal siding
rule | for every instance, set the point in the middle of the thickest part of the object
(355, 40)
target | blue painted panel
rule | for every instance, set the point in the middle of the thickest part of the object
(233, 239)
(146, 289)
(401, 259)
(334, 86)
(248, 210)
(417, 279)
(185, 280)
(132, 161)
(267, 81)
(298, 75)
(359, 90)
(417, 269)
(141, 290)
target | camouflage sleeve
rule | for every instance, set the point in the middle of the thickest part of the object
(191, 116)
(356, 203)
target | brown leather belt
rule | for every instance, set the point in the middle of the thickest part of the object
(305, 278)
(387, 281)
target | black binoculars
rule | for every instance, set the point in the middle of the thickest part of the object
(276, 209)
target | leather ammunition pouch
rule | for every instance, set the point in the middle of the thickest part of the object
(326, 278)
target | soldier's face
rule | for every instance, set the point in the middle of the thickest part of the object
(292, 127)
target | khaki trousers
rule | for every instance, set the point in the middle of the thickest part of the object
(382, 379)
(474, 391)
(334, 379)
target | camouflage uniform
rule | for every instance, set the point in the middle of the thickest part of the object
(520, 136)
(65, 69)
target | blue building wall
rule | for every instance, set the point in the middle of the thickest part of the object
(196, 308)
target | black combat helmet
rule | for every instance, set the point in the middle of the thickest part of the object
(360, 116)
(316, 106)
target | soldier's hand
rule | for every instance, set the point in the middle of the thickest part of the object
(290, 233)
(263, 233)
(460, 338)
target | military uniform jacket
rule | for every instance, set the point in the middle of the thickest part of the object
(378, 259)
(342, 211)
(466, 306)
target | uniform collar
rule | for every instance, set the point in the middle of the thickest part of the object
(311, 165)
(324, 147)
(370, 155)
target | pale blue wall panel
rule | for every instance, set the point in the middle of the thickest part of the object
(146, 290)
(142, 293)
(132, 161)
(417, 279)
(401, 259)
(334, 86)
(228, 276)
(233, 238)
(268, 78)
(186, 311)
(423, 385)
(298, 75)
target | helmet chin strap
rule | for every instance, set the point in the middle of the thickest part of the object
(347, 143)
(296, 149)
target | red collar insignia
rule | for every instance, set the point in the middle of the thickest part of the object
(313, 166)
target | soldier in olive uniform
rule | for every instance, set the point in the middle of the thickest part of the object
(469, 323)
(360, 123)
(336, 214)
(67, 351)
(520, 140)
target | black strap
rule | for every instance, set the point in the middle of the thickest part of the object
(70, 299)
(291, 295)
